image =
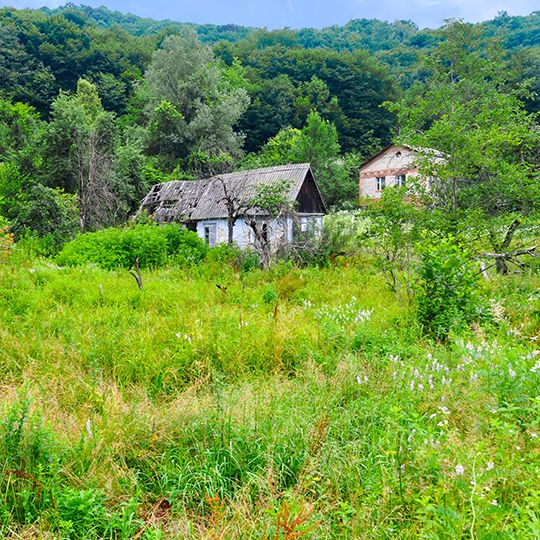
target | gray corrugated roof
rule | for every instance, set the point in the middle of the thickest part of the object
(204, 199)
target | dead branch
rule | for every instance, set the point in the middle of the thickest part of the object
(137, 274)
(511, 254)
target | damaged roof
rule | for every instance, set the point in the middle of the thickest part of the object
(204, 199)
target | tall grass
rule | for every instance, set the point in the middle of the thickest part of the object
(289, 402)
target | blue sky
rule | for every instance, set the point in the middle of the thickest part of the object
(301, 13)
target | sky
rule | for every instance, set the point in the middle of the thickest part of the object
(304, 13)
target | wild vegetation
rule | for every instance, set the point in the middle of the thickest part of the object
(380, 382)
(308, 399)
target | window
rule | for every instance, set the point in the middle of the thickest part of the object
(265, 232)
(303, 224)
(381, 183)
(400, 180)
(210, 235)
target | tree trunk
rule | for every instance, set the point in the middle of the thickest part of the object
(230, 225)
(501, 264)
(81, 196)
(262, 244)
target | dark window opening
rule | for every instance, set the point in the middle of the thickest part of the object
(265, 232)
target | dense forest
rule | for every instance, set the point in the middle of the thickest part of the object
(141, 101)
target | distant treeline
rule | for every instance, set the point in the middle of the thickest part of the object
(97, 105)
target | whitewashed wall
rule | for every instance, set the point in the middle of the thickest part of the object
(279, 231)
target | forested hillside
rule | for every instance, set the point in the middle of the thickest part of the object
(157, 100)
(75, 75)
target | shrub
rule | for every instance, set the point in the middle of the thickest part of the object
(46, 212)
(244, 260)
(31, 458)
(447, 288)
(346, 232)
(119, 248)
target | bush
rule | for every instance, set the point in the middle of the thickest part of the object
(313, 252)
(447, 288)
(31, 459)
(119, 248)
(46, 212)
(244, 260)
(346, 232)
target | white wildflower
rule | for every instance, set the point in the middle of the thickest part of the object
(490, 465)
(460, 469)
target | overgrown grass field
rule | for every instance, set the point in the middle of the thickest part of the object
(282, 404)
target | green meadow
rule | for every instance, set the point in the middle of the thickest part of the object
(285, 403)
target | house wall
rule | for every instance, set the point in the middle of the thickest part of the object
(280, 231)
(392, 162)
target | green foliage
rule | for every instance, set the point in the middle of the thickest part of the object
(447, 288)
(31, 458)
(470, 110)
(245, 260)
(119, 248)
(48, 213)
(346, 232)
(316, 143)
(198, 104)
(311, 386)
(272, 198)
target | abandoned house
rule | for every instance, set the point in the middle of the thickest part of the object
(202, 205)
(392, 166)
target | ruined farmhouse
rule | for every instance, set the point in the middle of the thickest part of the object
(205, 205)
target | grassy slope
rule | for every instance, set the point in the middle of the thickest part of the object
(324, 400)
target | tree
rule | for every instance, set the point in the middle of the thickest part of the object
(395, 224)
(167, 135)
(316, 143)
(357, 85)
(80, 154)
(472, 112)
(207, 103)
(235, 203)
(271, 200)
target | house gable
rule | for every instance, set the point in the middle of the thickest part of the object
(390, 161)
(309, 199)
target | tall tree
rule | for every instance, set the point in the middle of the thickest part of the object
(207, 105)
(471, 111)
(80, 154)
